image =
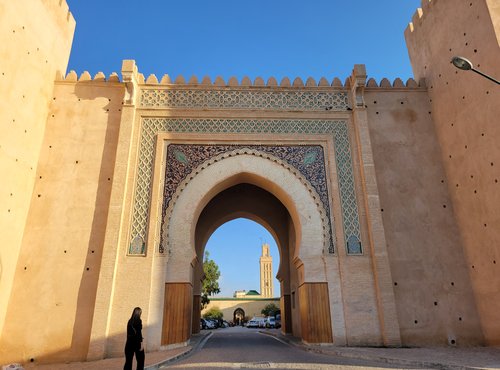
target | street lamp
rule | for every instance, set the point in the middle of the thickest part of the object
(466, 65)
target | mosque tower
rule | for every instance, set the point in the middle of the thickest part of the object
(266, 272)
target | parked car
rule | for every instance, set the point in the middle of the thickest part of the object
(208, 324)
(278, 320)
(271, 322)
(212, 324)
(254, 323)
(262, 322)
(203, 325)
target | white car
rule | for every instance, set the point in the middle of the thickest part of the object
(271, 322)
(253, 323)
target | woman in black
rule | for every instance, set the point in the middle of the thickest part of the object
(134, 341)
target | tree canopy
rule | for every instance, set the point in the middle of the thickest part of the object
(213, 313)
(270, 310)
(210, 285)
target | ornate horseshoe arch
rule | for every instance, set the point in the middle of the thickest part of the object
(306, 163)
(223, 167)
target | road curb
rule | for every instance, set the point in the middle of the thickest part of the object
(368, 357)
(200, 343)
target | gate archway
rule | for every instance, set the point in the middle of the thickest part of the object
(187, 228)
(238, 316)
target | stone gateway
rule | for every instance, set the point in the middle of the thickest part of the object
(382, 197)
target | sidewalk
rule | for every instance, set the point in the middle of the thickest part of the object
(153, 359)
(435, 358)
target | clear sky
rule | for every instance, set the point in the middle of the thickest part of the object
(266, 38)
(236, 248)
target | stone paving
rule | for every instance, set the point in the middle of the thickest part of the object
(153, 359)
(434, 358)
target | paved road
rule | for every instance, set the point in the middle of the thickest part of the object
(242, 348)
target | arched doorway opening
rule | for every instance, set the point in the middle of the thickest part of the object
(238, 316)
(247, 257)
(256, 204)
(259, 187)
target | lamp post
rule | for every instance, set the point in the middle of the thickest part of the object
(466, 65)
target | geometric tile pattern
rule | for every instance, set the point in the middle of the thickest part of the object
(183, 159)
(347, 189)
(244, 99)
(150, 127)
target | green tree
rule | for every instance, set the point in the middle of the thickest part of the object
(270, 310)
(213, 313)
(210, 285)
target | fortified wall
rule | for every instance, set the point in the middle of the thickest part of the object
(36, 42)
(251, 307)
(412, 175)
(465, 109)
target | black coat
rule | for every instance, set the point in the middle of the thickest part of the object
(134, 334)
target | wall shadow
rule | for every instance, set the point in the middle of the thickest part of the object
(90, 274)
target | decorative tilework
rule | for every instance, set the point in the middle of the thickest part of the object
(347, 190)
(152, 126)
(245, 99)
(308, 160)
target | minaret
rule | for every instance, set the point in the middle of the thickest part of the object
(266, 272)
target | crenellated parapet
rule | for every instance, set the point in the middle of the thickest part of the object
(396, 84)
(205, 93)
(419, 15)
(166, 80)
(63, 8)
(152, 80)
(60, 12)
(85, 76)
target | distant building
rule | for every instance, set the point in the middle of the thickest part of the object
(253, 293)
(239, 293)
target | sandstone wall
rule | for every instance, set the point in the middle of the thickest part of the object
(36, 41)
(435, 303)
(252, 307)
(50, 312)
(465, 109)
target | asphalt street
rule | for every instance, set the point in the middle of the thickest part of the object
(242, 348)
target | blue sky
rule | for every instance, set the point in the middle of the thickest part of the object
(293, 38)
(236, 248)
(266, 38)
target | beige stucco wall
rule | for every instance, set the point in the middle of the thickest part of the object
(36, 40)
(465, 109)
(434, 298)
(252, 307)
(52, 301)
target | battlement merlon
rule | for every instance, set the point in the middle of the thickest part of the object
(357, 84)
(384, 83)
(130, 78)
(61, 14)
(130, 69)
(418, 16)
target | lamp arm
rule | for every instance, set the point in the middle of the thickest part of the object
(485, 75)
